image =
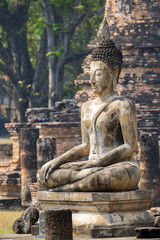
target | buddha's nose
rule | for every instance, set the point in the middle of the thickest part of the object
(92, 79)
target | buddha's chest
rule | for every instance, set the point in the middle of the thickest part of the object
(105, 121)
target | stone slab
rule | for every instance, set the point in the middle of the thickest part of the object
(95, 201)
(102, 215)
(13, 236)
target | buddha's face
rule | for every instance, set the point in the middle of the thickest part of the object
(100, 77)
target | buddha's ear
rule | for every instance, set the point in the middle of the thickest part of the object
(115, 77)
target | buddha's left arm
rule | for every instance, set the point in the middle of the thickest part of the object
(128, 122)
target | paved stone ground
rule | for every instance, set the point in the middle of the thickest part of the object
(30, 237)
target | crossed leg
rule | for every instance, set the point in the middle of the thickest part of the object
(117, 177)
(64, 176)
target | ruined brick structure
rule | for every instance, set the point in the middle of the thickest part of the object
(58, 126)
(133, 25)
(9, 178)
(62, 122)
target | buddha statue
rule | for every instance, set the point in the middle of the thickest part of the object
(109, 136)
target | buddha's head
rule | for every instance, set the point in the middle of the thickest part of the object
(105, 66)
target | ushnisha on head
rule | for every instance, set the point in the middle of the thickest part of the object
(111, 56)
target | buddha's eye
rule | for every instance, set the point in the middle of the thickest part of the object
(98, 74)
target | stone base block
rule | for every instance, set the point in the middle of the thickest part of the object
(100, 215)
(58, 224)
(35, 229)
(150, 232)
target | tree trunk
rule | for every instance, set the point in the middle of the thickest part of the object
(56, 64)
(19, 108)
(56, 74)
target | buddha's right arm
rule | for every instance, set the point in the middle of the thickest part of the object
(69, 156)
(73, 154)
(79, 151)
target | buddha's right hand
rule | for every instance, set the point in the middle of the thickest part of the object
(46, 170)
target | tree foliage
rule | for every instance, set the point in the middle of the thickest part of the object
(21, 73)
(35, 32)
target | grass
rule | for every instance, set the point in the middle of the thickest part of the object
(7, 218)
(5, 140)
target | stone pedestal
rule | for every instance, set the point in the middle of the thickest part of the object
(99, 215)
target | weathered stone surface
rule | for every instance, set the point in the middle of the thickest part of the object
(113, 232)
(9, 174)
(64, 111)
(35, 229)
(58, 224)
(102, 214)
(17, 226)
(24, 223)
(155, 211)
(157, 222)
(96, 202)
(150, 232)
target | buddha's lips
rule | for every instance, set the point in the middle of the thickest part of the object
(94, 86)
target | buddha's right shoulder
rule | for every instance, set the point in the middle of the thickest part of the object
(86, 104)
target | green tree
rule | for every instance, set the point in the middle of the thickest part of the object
(21, 72)
(63, 17)
(24, 55)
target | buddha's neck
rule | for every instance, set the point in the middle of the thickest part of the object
(105, 95)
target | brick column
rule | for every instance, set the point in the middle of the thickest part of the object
(28, 158)
(58, 224)
(149, 164)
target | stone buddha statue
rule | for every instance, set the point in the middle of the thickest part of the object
(109, 136)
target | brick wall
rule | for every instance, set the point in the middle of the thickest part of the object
(67, 135)
(9, 177)
(134, 27)
(5, 156)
